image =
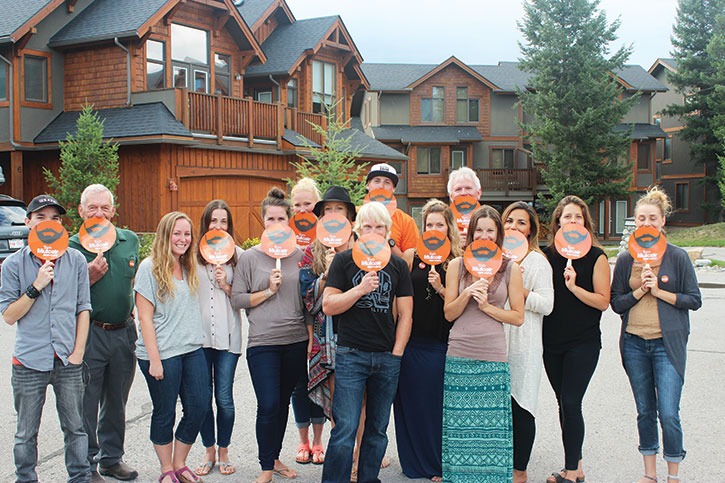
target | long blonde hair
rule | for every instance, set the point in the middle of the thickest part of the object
(163, 260)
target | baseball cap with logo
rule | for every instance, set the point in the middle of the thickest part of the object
(383, 169)
(41, 201)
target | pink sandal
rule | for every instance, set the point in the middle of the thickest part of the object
(304, 455)
(181, 475)
(171, 474)
(318, 455)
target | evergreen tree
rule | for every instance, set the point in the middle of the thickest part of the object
(716, 51)
(574, 101)
(335, 162)
(84, 159)
(698, 51)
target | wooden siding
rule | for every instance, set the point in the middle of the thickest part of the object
(95, 76)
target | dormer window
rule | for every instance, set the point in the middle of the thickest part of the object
(323, 86)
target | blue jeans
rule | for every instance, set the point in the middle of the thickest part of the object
(305, 410)
(355, 371)
(185, 377)
(221, 366)
(274, 369)
(657, 388)
(29, 388)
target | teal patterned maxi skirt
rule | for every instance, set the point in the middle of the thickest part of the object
(477, 428)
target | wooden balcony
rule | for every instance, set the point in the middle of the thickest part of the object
(234, 119)
(505, 180)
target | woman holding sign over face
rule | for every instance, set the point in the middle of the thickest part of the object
(277, 344)
(654, 300)
(524, 343)
(222, 326)
(419, 402)
(477, 432)
(572, 339)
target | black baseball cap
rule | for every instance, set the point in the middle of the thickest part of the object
(40, 202)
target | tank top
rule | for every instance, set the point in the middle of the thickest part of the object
(475, 334)
(428, 319)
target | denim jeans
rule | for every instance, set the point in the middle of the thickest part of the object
(305, 410)
(29, 388)
(221, 366)
(185, 377)
(657, 388)
(274, 369)
(355, 371)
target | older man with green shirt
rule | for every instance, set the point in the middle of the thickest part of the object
(111, 341)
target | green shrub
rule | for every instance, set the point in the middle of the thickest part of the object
(145, 241)
(249, 243)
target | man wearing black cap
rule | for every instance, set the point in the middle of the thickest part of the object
(404, 232)
(50, 302)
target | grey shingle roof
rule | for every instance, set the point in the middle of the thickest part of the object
(506, 76)
(427, 134)
(298, 140)
(15, 13)
(641, 131)
(106, 19)
(367, 146)
(251, 10)
(142, 120)
(287, 44)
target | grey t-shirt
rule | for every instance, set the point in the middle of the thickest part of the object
(177, 319)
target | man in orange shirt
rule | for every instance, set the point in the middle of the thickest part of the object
(404, 232)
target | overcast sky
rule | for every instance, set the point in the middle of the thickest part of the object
(476, 31)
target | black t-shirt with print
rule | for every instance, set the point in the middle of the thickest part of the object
(369, 324)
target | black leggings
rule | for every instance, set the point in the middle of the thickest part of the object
(524, 434)
(569, 373)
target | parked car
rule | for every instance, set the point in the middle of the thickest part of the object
(13, 232)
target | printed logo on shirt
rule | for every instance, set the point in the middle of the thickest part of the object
(378, 300)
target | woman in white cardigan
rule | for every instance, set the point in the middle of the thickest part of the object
(525, 346)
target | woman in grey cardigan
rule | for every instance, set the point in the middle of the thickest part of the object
(654, 303)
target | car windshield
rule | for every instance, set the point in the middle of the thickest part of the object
(12, 215)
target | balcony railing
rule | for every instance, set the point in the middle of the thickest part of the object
(507, 179)
(232, 117)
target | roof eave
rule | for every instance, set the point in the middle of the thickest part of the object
(91, 40)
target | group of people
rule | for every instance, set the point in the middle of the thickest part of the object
(458, 358)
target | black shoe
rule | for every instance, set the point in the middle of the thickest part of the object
(96, 477)
(120, 471)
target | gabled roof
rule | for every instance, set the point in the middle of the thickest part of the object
(427, 134)
(288, 45)
(452, 60)
(107, 19)
(142, 120)
(663, 63)
(641, 131)
(505, 77)
(104, 20)
(255, 11)
(19, 16)
(367, 146)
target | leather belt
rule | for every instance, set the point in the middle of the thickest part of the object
(109, 326)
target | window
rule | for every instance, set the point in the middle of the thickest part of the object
(264, 96)
(458, 159)
(190, 53)
(433, 109)
(502, 158)
(3, 82)
(682, 196)
(416, 212)
(620, 215)
(429, 160)
(292, 93)
(155, 65)
(222, 74)
(466, 109)
(657, 121)
(35, 78)
(643, 157)
(323, 86)
(667, 150)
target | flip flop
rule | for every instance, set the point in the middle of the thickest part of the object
(226, 468)
(181, 475)
(205, 468)
(318, 455)
(285, 472)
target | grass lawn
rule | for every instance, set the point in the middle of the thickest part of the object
(698, 236)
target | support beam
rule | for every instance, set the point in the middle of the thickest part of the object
(16, 174)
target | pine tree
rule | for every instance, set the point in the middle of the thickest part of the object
(574, 101)
(335, 162)
(84, 159)
(699, 52)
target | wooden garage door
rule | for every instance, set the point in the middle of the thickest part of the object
(243, 195)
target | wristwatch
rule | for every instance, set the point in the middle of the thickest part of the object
(32, 292)
(391, 242)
